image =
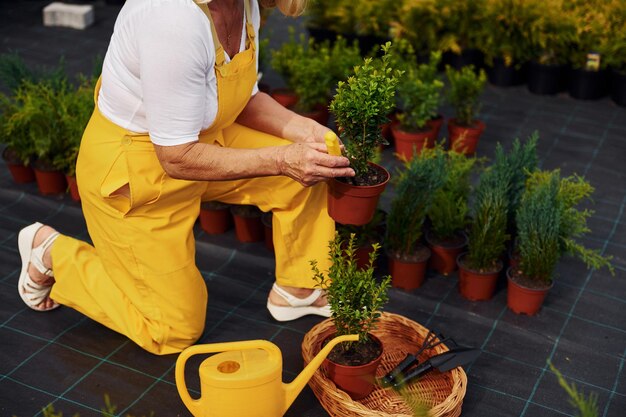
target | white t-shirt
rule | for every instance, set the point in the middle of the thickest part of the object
(158, 74)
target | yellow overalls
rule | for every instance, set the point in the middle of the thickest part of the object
(140, 277)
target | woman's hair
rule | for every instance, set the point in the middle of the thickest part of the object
(287, 7)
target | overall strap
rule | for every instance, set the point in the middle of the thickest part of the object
(219, 50)
(249, 26)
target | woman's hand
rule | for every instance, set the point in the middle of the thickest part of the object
(315, 133)
(308, 163)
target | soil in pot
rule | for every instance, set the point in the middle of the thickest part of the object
(546, 79)
(20, 173)
(524, 295)
(50, 181)
(354, 370)
(354, 202)
(464, 139)
(477, 285)
(215, 217)
(445, 251)
(408, 271)
(248, 224)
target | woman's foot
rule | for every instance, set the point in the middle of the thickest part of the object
(36, 278)
(289, 303)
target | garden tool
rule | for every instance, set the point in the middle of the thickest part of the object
(443, 362)
(432, 339)
(244, 380)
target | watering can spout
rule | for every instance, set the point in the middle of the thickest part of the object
(294, 387)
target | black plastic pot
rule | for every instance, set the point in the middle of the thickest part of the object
(467, 57)
(506, 76)
(618, 87)
(588, 85)
(546, 79)
(369, 43)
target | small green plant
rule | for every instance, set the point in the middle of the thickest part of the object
(282, 59)
(515, 167)
(14, 72)
(344, 57)
(463, 94)
(487, 234)
(109, 410)
(311, 78)
(419, 94)
(17, 138)
(448, 212)
(415, 190)
(355, 296)
(366, 234)
(552, 34)
(361, 106)
(585, 406)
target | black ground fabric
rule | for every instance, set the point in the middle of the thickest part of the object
(70, 361)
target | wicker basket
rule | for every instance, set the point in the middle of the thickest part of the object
(443, 392)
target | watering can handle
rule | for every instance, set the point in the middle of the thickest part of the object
(192, 404)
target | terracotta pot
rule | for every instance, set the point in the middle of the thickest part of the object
(474, 285)
(443, 258)
(357, 381)
(20, 173)
(464, 139)
(266, 219)
(215, 220)
(73, 185)
(285, 97)
(385, 129)
(524, 300)
(409, 144)
(406, 274)
(352, 204)
(248, 226)
(50, 182)
(436, 123)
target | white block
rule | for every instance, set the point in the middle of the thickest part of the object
(77, 16)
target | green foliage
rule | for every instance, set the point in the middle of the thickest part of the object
(415, 191)
(109, 410)
(361, 106)
(366, 234)
(463, 94)
(419, 94)
(422, 24)
(538, 222)
(355, 296)
(614, 48)
(507, 28)
(344, 57)
(282, 59)
(591, 21)
(16, 137)
(487, 235)
(585, 406)
(514, 168)
(448, 212)
(14, 72)
(552, 33)
(311, 78)
(572, 191)
(463, 24)
(375, 17)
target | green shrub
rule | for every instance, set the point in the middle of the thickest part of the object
(463, 94)
(585, 406)
(552, 34)
(416, 186)
(355, 296)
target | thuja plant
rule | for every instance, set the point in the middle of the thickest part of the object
(448, 213)
(311, 78)
(463, 94)
(416, 186)
(572, 191)
(355, 296)
(487, 234)
(361, 106)
(586, 406)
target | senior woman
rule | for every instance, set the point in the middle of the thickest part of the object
(179, 120)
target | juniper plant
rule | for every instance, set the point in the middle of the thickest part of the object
(465, 88)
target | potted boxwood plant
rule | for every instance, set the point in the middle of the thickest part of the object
(551, 37)
(463, 94)
(416, 186)
(356, 299)
(446, 236)
(419, 98)
(548, 224)
(281, 60)
(360, 107)
(481, 265)
(215, 217)
(248, 224)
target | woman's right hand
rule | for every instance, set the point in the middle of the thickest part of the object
(309, 163)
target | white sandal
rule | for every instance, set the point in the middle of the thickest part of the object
(297, 307)
(32, 293)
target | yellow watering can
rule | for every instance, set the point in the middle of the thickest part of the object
(245, 379)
